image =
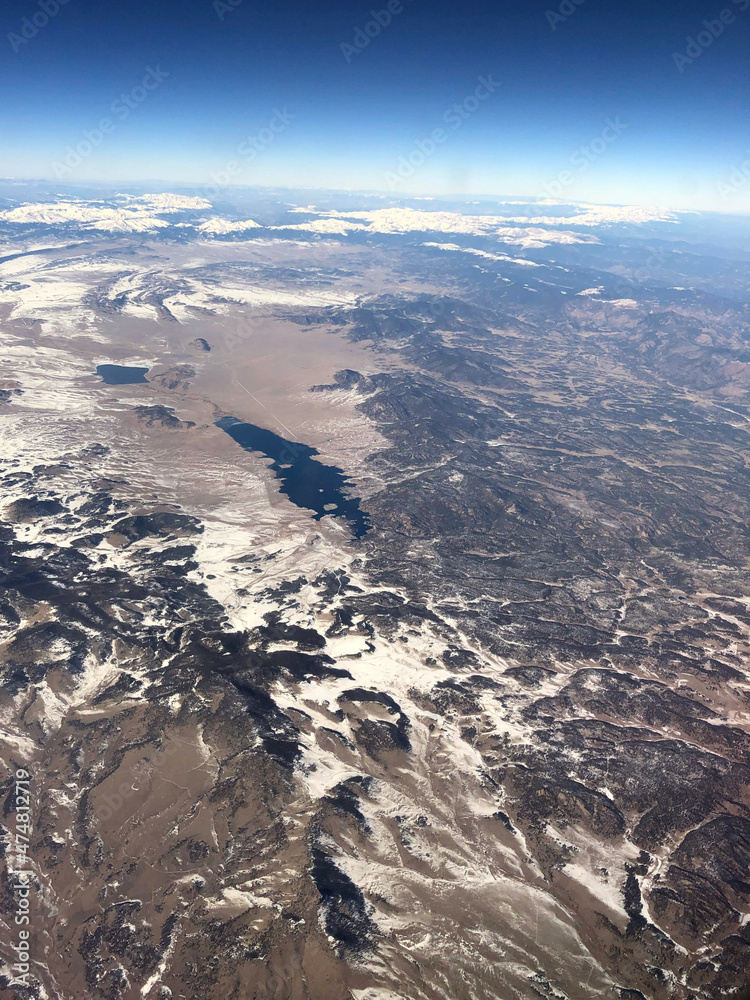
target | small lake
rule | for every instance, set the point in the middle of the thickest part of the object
(121, 374)
(305, 481)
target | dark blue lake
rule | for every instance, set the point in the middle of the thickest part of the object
(121, 374)
(305, 481)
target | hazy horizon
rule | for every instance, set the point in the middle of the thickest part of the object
(638, 105)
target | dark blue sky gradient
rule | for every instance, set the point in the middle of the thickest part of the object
(354, 121)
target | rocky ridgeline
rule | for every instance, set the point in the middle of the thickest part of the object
(499, 749)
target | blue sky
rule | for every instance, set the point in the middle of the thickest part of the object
(294, 87)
